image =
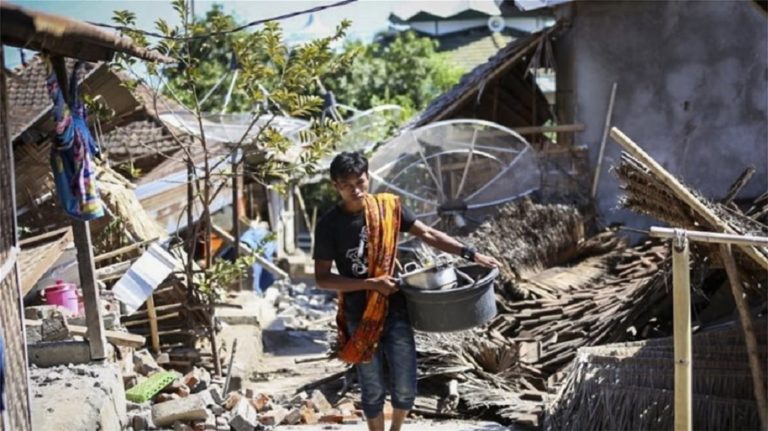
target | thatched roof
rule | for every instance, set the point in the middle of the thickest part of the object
(60, 36)
(515, 95)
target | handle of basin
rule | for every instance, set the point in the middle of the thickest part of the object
(407, 267)
(466, 277)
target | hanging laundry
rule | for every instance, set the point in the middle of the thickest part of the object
(72, 152)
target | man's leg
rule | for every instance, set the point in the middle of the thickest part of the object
(372, 386)
(400, 352)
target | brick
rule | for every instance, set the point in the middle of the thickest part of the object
(273, 417)
(308, 415)
(244, 416)
(331, 416)
(293, 417)
(144, 363)
(261, 402)
(181, 426)
(319, 401)
(232, 400)
(184, 409)
(346, 407)
(55, 327)
(183, 391)
(164, 397)
(192, 378)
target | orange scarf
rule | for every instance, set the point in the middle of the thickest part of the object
(382, 217)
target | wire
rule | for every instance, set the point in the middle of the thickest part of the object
(234, 30)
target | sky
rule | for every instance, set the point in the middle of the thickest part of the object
(368, 16)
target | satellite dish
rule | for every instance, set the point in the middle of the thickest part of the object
(496, 24)
(456, 170)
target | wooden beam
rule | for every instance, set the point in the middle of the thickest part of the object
(549, 129)
(97, 339)
(115, 337)
(753, 350)
(123, 250)
(152, 316)
(681, 308)
(682, 193)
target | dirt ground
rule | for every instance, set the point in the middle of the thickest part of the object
(266, 362)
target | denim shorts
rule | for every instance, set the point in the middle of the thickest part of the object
(398, 348)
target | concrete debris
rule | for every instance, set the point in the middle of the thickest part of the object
(298, 306)
(244, 416)
(273, 417)
(144, 363)
(183, 409)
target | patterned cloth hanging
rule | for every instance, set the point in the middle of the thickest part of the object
(72, 152)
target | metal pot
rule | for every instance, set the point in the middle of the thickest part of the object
(428, 278)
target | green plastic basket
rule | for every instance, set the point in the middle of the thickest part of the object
(147, 389)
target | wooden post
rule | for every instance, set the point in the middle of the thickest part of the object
(682, 193)
(681, 303)
(152, 317)
(236, 213)
(96, 334)
(758, 377)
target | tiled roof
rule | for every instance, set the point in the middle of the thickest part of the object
(470, 49)
(450, 102)
(137, 139)
(27, 95)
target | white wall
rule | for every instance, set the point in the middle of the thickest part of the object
(691, 89)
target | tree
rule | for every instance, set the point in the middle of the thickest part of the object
(267, 66)
(407, 71)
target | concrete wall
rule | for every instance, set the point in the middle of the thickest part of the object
(691, 89)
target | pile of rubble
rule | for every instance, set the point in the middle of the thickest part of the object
(197, 401)
(300, 307)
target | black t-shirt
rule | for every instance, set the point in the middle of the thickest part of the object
(343, 238)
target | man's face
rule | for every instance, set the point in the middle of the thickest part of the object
(352, 188)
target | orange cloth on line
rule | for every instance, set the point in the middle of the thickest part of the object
(382, 217)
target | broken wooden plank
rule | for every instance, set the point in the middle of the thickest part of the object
(115, 337)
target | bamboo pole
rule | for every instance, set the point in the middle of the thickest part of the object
(758, 377)
(681, 303)
(681, 192)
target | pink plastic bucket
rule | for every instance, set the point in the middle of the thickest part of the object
(63, 294)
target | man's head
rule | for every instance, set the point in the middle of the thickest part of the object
(349, 175)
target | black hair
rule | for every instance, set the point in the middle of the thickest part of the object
(348, 163)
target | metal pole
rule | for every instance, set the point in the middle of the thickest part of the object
(681, 302)
(711, 237)
(600, 155)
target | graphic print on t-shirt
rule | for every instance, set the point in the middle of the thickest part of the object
(359, 255)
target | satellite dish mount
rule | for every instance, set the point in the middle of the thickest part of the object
(496, 24)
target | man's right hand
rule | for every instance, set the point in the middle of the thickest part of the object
(384, 284)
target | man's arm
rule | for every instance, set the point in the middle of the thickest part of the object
(442, 241)
(325, 279)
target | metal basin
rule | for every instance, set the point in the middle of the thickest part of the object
(429, 278)
(455, 309)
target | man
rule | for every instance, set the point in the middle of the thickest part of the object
(360, 235)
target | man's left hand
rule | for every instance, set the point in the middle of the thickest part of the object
(487, 261)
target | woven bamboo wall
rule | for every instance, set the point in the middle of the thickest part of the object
(16, 417)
